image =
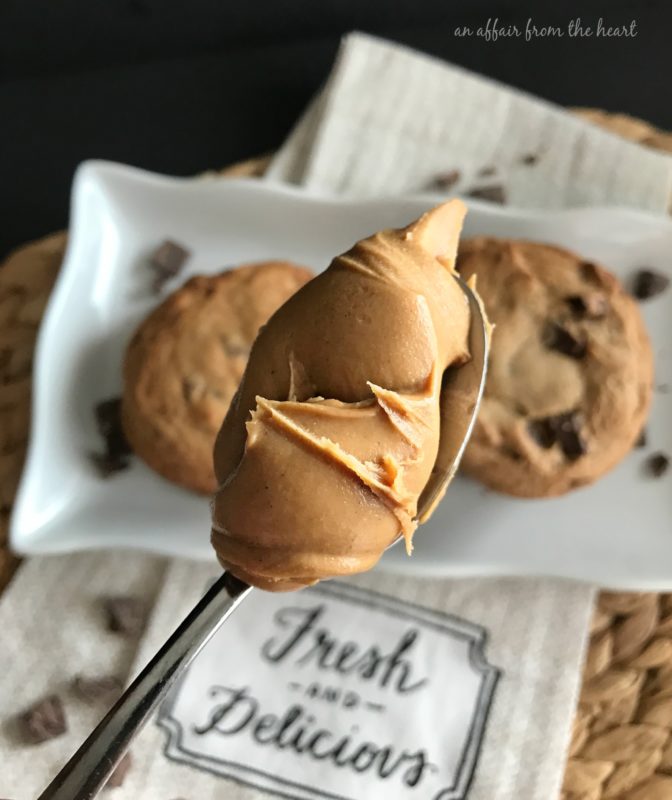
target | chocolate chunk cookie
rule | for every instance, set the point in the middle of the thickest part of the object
(571, 369)
(185, 361)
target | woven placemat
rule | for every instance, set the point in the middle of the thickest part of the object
(621, 746)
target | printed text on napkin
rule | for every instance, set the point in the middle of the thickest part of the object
(336, 692)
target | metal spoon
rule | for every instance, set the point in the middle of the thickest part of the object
(88, 770)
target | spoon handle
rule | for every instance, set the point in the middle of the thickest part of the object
(88, 770)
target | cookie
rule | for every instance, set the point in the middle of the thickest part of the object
(185, 361)
(570, 377)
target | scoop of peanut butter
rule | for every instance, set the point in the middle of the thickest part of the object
(334, 430)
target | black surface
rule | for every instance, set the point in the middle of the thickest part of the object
(179, 87)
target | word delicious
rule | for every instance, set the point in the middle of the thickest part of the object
(236, 711)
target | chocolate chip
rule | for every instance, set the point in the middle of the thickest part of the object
(107, 465)
(445, 180)
(105, 688)
(116, 451)
(486, 172)
(543, 432)
(657, 464)
(493, 194)
(43, 721)
(648, 283)
(529, 159)
(569, 436)
(641, 439)
(108, 420)
(590, 272)
(577, 304)
(565, 429)
(593, 305)
(169, 257)
(125, 615)
(118, 777)
(167, 260)
(558, 338)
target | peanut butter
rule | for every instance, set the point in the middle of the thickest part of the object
(334, 430)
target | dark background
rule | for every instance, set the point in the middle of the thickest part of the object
(180, 86)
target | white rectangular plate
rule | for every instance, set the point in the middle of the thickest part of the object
(617, 532)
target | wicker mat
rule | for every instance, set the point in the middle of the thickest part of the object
(622, 744)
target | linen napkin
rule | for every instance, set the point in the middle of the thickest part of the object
(379, 686)
(390, 120)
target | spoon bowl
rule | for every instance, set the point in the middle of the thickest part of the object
(461, 395)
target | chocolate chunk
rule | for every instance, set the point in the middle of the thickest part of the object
(529, 159)
(167, 260)
(105, 689)
(590, 273)
(118, 777)
(558, 338)
(108, 419)
(494, 194)
(108, 414)
(657, 464)
(593, 305)
(43, 721)
(577, 305)
(115, 456)
(486, 172)
(543, 432)
(641, 439)
(648, 283)
(446, 180)
(169, 257)
(107, 465)
(568, 428)
(565, 429)
(125, 615)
